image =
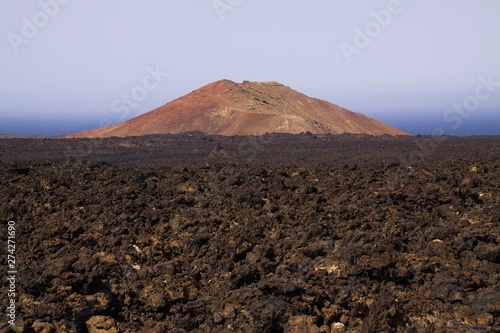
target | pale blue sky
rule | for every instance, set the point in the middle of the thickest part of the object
(84, 58)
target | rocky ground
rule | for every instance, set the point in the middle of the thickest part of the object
(197, 234)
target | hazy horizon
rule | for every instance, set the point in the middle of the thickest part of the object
(420, 66)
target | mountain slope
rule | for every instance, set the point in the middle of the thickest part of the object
(249, 108)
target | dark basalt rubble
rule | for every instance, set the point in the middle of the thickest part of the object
(224, 247)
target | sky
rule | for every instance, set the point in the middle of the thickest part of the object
(424, 66)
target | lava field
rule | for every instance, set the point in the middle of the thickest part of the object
(298, 234)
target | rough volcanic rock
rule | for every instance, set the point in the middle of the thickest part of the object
(195, 149)
(249, 248)
(250, 108)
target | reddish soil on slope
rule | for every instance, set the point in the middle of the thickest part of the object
(301, 233)
(249, 108)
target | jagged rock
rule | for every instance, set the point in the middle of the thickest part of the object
(101, 324)
(302, 324)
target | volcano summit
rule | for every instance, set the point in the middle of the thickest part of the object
(250, 108)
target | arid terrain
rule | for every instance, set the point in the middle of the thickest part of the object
(225, 107)
(278, 233)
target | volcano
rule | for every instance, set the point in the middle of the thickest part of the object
(249, 108)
